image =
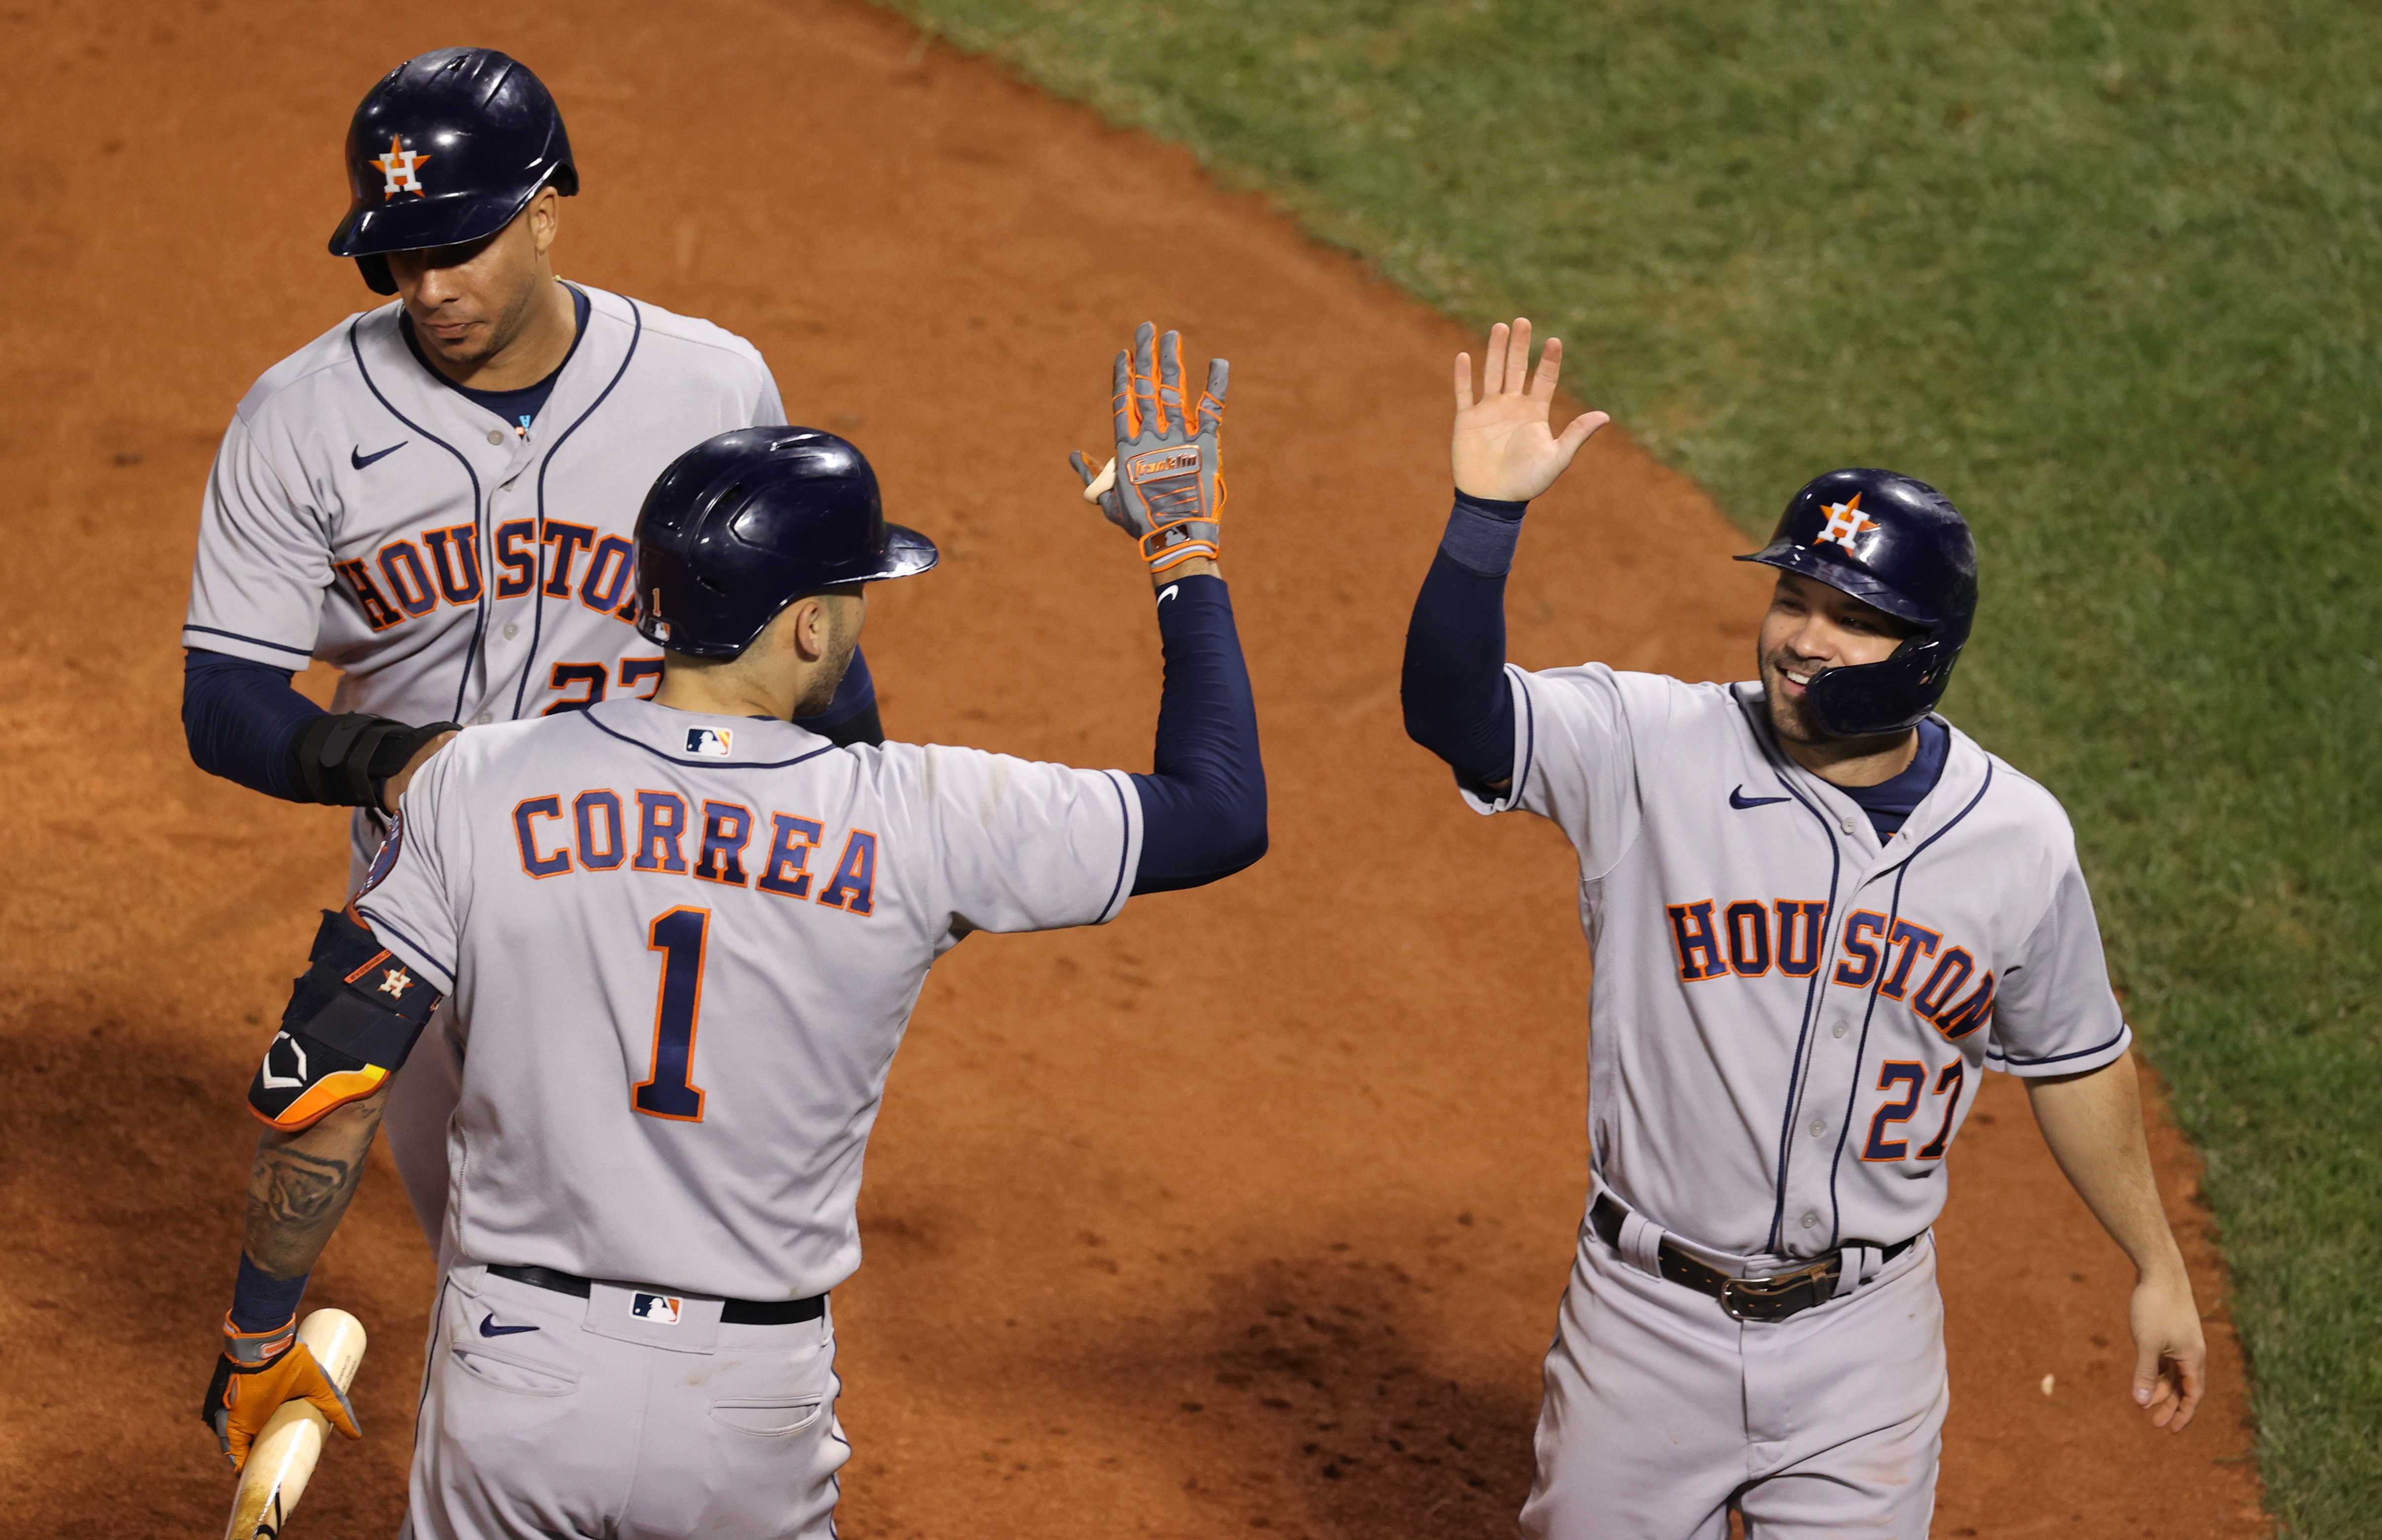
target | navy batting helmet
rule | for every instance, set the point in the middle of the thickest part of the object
(745, 523)
(446, 149)
(1898, 544)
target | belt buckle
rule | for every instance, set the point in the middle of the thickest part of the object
(1776, 1286)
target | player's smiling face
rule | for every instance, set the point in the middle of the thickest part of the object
(470, 302)
(1809, 629)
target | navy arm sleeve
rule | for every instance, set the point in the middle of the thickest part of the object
(1203, 808)
(1453, 686)
(243, 720)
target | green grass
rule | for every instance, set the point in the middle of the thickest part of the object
(2109, 274)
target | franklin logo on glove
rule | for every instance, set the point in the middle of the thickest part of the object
(1165, 462)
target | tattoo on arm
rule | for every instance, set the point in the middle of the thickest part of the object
(298, 1187)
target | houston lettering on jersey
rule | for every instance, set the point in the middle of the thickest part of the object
(596, 835)
(1747, 938)
(407, 581)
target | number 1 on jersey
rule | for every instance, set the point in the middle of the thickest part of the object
(668, 1089)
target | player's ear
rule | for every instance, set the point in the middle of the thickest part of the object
(545, 216)
(807, 632)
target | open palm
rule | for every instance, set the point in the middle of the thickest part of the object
(1503, 448)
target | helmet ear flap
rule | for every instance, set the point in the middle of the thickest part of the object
(1891, 695)
(375, 269)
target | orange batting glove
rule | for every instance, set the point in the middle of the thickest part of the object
(257, 1373)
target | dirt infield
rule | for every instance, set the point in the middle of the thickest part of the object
(1248, 1212)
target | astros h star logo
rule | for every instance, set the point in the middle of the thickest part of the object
(402, 168)
(1844, 520)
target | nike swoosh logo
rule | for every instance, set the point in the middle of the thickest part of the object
(1166, 593)
(1739, 800)
(489, 1328)
(357, 457)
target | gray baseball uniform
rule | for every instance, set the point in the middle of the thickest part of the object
(454, 567)
(1790, 1020)
(682, 950)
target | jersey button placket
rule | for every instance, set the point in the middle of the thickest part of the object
(520, 456)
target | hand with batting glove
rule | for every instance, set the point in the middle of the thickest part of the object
(1166, 485)
(257, 1373)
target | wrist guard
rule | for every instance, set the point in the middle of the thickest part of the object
(351, 1020)
(345, 760)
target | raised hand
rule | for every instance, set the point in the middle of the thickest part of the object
(1503, 448)
(1166, 485)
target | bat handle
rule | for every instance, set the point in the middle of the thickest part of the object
(283, 1457)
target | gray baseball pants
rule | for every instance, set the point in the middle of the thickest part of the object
(1661, 1413)
(545, 1416)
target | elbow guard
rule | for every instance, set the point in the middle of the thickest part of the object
(351, 1020)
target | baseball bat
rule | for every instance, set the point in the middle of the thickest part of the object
(284, 1454)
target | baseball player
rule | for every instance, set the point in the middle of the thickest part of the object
(1818, 912)
(437, 496)
(683, 937)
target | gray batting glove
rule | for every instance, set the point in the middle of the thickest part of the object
(1166, 485)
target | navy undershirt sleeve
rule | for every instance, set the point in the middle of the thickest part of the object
(243, 720)
(1203, 808)
(1457, 703)
(260, 1301)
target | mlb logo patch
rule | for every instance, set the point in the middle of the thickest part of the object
(660, 1309)
(710, 741)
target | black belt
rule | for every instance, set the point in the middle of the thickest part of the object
(734, 1312)
(1771, 1299)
